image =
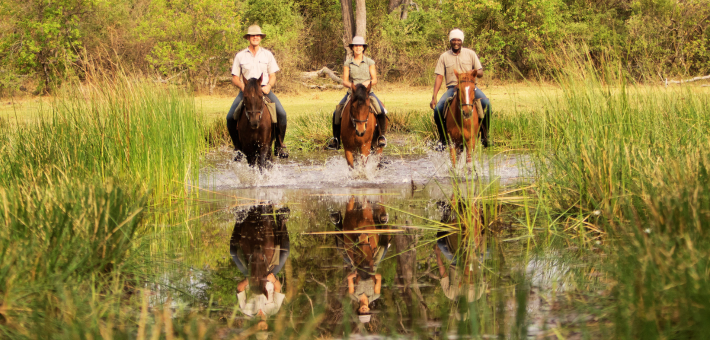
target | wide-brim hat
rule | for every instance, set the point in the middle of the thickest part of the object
(254, 30)
(358, 40)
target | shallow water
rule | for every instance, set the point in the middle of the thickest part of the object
(247, 215)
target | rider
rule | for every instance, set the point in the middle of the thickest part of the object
(253, 62)
(462, 60)
(359, 69)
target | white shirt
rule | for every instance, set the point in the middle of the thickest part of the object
(254, 65)
(270, 304)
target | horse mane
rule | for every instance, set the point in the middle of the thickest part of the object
(252, 87)
(360, 94)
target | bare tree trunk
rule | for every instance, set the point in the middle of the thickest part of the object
(348, 25)
(405, 10)
(393, 4)
(361, 17)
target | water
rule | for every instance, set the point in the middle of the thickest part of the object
(314, 223)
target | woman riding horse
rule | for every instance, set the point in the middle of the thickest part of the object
(359, 69)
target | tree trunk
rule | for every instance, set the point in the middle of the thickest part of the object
(405, 10)
(393, 4)
(361, 17)
(348, 24)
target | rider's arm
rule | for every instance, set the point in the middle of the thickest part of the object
(378, 283)
(373, 75)
(480, 73)
(272, 81)
(439, 262)
(346, 77)
(242, 285)
(351, 285)
(237, 80)
(277, 284)
(437, 85)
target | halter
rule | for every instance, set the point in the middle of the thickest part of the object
(461, 103)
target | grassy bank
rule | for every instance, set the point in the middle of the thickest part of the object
(76, 188)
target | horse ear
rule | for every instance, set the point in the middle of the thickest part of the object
(261, 77)
(369, 86)
(456, 73)
(244, 79)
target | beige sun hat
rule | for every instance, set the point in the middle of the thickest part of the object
(254, 30)
(358, 40)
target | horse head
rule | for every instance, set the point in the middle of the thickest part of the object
(253, 101)
(467, 91)
(360, 109)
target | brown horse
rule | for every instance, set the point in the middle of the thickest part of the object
(362, 249)
(255, 128)
(462, 120)
(357, 130)
(260, 244)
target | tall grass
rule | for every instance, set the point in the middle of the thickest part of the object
(633, 162)
(122, 127)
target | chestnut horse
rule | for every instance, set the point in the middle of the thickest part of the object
(255, 128)
(357, 130)
(363, 250)
(462, 119)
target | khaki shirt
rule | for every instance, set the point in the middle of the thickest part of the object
(253, 66)
(359, 72)
(465, 61)
(366, 287)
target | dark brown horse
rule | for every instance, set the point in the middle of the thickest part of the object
(357, 130)
(254, 126)
(462, 119)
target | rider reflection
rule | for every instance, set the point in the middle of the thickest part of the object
(362, 252)
(458, 247)
(259, 247)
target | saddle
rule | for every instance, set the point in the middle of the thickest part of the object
(271, 107)
(374, 108)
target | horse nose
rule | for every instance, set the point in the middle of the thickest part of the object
(254, 125)
(361, 133)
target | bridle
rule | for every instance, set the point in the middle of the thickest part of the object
(260, 112)
(354, 121)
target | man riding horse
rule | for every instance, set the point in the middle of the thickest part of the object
(254, 62)
(462, 60)
(358, 69)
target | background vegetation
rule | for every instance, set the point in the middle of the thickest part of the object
(43, 43)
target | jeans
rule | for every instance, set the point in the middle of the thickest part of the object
(336, 134)
(440, 115)
(232, 123)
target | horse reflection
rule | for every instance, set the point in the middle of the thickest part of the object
(259, 247)
(459, 247)
(362, 251)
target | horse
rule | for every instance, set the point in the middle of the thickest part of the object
(462, 119)
(260, 244)
(363, 250)
(254, 126)
(357, 130)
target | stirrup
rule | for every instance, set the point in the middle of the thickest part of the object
(382, 141)
(333, 144)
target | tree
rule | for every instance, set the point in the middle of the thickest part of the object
(349, 22)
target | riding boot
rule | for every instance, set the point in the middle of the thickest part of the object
(485, 127)
(382, 127)
(280, 147)
(334, 143)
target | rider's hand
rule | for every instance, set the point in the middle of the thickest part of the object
(266, 89)
(271, 278)
(366, 84)
(432, 105)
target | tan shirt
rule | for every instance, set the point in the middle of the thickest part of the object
(254, 65)
(366, 287)
(465, 61)
(359, 72)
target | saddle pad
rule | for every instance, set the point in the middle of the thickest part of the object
(339, 111)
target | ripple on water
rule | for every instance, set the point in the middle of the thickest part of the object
(334, 171)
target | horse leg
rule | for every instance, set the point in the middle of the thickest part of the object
(349, 158)
(364, 153)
